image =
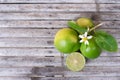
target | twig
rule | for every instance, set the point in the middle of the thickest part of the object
(95, 27)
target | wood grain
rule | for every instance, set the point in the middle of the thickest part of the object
(29, 42)
(50, 24)
(41, 33)
(41, 52)
(29, 61)
(46, 8)
(26, 61)
(61, 16)
(58, 8)
(58, 72)
(27, 30)
(59, 1)
(47, 1)
(31, 52)
(15, 78)
(78, 78)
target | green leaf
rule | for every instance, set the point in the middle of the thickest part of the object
(106, 41)
(73, 25)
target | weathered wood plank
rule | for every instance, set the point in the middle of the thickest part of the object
(42, 16)
(15, 72)
(46, 8)
(26, 42)
(57, 16)
(78, 78)
(104, 61)
(41, 52)
(61, 78)
(107, 61)
(108, 1)
(59, 1)
(49, 24)
(26, 61)
(47, 1)
(87, 71)
(15, 78)
(33, 24)
(58, 71)
(110, 7)
(30, 52)
(29, 42)
(42, 32)
(58, 8)
(12, 61)
(27, 32)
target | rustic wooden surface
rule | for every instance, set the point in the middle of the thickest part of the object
(27, 29)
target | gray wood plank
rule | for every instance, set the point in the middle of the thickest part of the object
(50, 24)
(87, 71)
(78, 78)
(57, 16)
(32, 52)
(108, 1)
(41, 52)
(104, 61)
(42, 16)
(33, 33)
(32, 42)
(29, 42)
(14, 78)
(59, 1)
(61, 78)
(15, 71)
(47, 1)
(33, 24)
(26, 42)
(26, 61)
(110, 7)
(46, 7)
(58, 72)
(27, 32)
(58, 8)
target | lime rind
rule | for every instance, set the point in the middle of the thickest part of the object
(75, 61)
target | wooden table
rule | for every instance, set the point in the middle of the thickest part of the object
(27, 29)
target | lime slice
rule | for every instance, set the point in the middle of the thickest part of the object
(75, 61)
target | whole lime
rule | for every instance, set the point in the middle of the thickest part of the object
(85, 22)
(66, 40)
(90, 51)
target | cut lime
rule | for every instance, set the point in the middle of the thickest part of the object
(75, 61)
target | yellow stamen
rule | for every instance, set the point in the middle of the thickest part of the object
(84, 39)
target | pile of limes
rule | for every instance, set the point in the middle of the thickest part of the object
(82, 40)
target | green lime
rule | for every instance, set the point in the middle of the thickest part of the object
(90, 51)
(66, 40)
(85, 22)
(75, 61)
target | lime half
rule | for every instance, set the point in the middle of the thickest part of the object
(75, 61)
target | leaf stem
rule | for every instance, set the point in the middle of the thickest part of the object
(95, 27)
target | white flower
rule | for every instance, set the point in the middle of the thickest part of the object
(84, 38)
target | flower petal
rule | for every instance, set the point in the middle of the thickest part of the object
(81, 41)
(85, 35)
(81, 36)
(89, 37)
(86, 43)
